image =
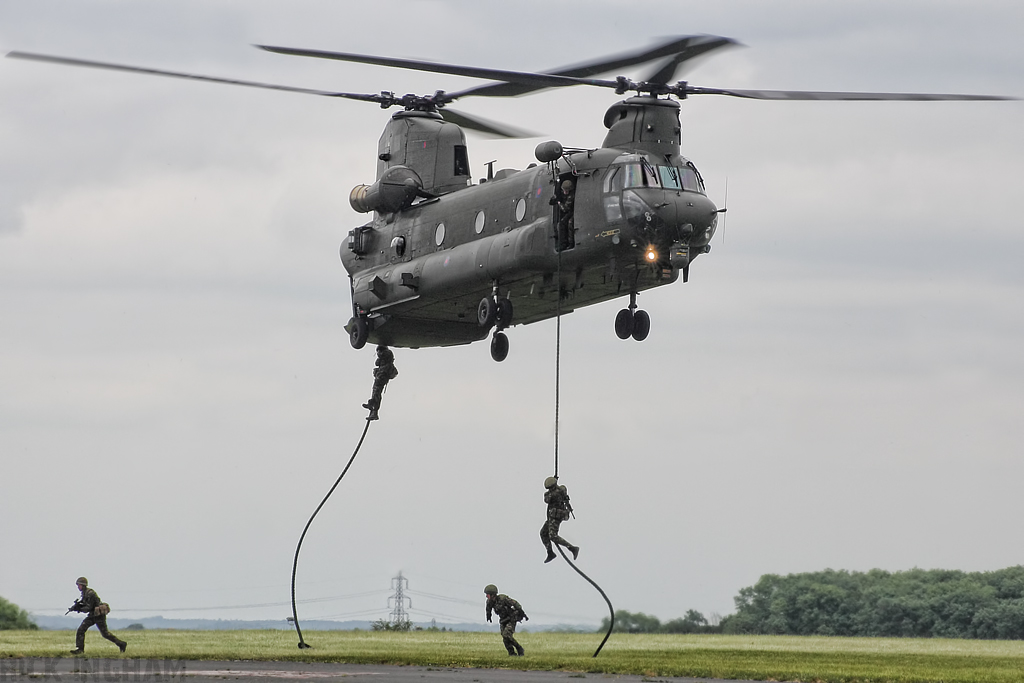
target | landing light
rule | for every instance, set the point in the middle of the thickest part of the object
(652, 255)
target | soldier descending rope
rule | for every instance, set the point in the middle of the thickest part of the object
(510, 613)
(383, 372)
(96, 613)
(559, 509)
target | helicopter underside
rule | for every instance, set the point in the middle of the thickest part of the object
(452, 320)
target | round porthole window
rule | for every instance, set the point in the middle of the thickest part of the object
(398, 245)
(520, 209)
(480, 220)
(439, 234)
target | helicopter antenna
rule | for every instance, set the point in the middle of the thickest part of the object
(725, 209)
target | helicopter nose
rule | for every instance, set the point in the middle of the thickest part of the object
(692, 214)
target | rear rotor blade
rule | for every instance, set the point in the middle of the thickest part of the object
(482, 125)
(522, 77)
(840, 96)
(68, 61)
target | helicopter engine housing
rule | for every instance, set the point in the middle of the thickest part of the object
(395, 190)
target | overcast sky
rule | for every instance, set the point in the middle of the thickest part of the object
(840, 384)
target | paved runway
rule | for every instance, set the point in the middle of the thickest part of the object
(87, 670)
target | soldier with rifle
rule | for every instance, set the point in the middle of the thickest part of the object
(96, 613)
(559, 510)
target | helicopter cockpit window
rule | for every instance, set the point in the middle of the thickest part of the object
(670, 178)
(634, 177)
(689, 178)
(641, 175)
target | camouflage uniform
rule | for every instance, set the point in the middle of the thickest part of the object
(510, 613)
(383, 372)
(557, 500)
(88, 604)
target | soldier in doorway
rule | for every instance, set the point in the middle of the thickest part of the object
(383, 372)
(510, 613)
(96, 613)
(565, 199)
(559, 509)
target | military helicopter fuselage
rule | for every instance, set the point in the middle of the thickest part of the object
(445, 261)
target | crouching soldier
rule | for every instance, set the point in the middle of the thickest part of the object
(510, 613)
(96, 613)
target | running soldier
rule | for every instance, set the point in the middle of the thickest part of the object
(96, 613)
(510, 613)
(383, 372)
(559, 509)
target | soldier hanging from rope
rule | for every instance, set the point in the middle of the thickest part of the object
(559, 510)
(383, 372)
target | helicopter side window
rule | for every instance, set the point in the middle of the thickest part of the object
(461, 160)
(613, 180)
(612, 188)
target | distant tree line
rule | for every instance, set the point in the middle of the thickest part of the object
(638, 622)
(13, 617)
(916, 603)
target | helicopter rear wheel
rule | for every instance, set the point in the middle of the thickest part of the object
(503, 316)
(641, 325)
(624, 324)
(359, 333)
(486, 312)
(499, 346)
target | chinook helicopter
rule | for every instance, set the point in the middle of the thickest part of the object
(445, 261)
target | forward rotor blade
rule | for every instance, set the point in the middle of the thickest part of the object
(700, 45)
(843, 96)
(522, 77)
(482, 125)
(68, 61)
(681, 48)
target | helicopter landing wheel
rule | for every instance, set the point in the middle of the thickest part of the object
(641, 325)
(503, 315)
(486, 312)
(359, 333)
(499, 346)
(624, 323)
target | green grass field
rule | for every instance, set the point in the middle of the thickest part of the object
(778, 658)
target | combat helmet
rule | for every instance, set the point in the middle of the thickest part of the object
(490, 589)
(550, 481)
(82, 581)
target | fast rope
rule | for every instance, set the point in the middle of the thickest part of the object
(558, 373)
(611, 610)
(558, 353)
(295, 563)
